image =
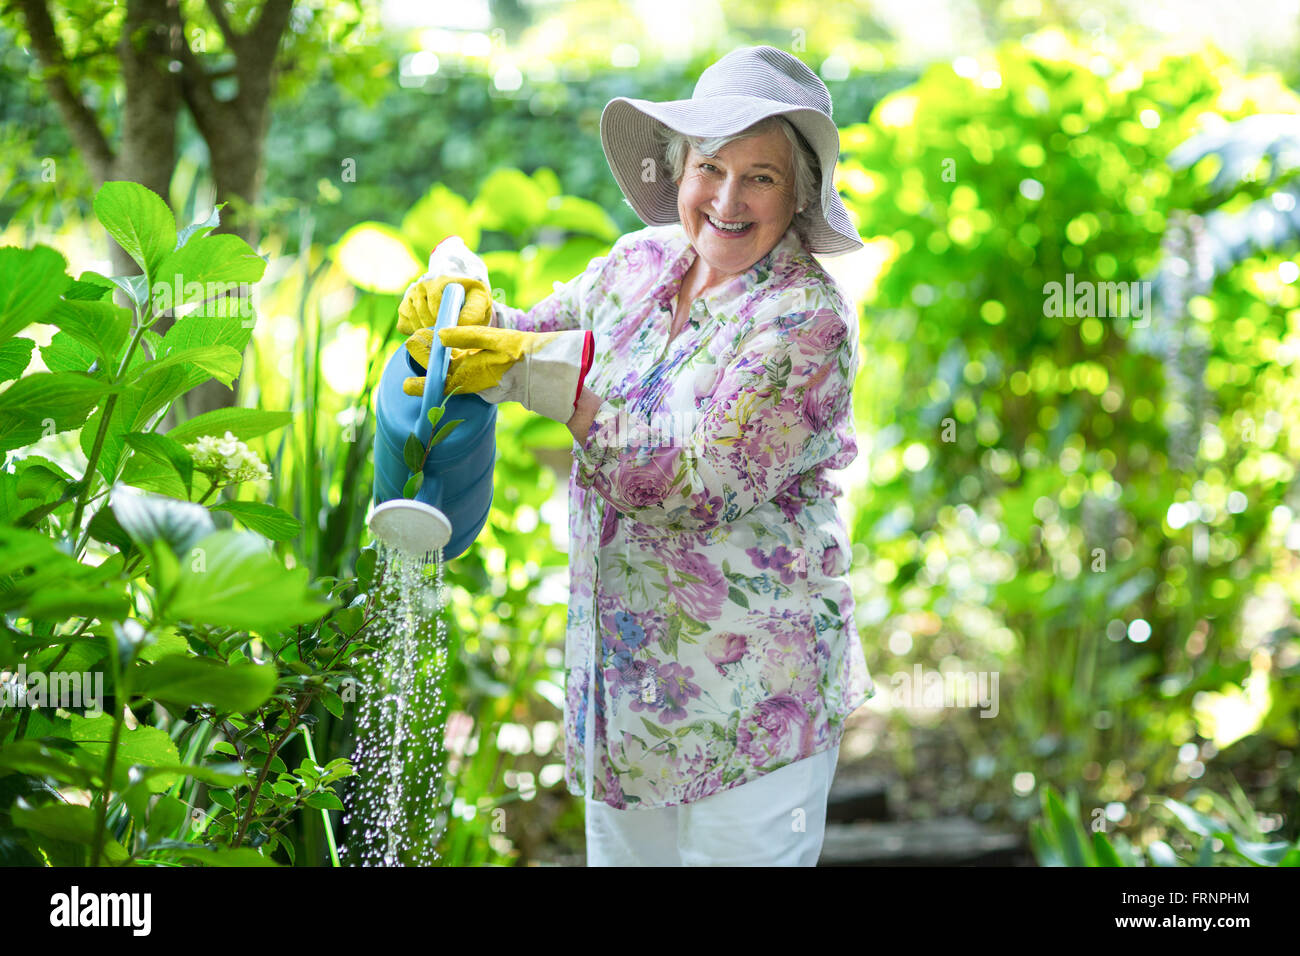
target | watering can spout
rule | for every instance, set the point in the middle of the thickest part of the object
(455, 494)
(410, 526)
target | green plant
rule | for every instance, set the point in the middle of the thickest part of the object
(208, 646)
(1059, 839)
(1031, 507)
(1216, 842)
(416, 454)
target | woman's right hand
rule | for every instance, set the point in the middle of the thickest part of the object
(451, 261)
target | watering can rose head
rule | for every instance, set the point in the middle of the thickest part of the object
(227, 460)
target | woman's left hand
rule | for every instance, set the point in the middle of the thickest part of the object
(543, 371)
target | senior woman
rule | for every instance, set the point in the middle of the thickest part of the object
(704, 368)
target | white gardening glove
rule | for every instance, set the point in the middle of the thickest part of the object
(543, 371)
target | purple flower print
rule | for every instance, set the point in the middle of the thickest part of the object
(828, 330)
(706, 510)
(607, 529)
(788, 500)
(764, 441)
(636, 679)
(822, 398)
(677, 690)
(702, 593)
(724, 649)
(775, 730)
(613, 789)
(703, 785)
(647, 484)
(783, 560)
(646, 258)
(791, 673)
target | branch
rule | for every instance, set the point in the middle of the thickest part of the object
(233, 40)
(196, 83)
(264, 39)
(78, 117)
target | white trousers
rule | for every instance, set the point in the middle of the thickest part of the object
(777, 820)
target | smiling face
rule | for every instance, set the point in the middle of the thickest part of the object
(750, 183)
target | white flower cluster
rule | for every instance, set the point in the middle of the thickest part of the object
(227, 460)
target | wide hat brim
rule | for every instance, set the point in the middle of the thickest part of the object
(634, 153)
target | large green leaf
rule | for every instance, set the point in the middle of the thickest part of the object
(243, 423)
(71, 822)
(60, 603)
(105, 527)
(219, 361)
(140, 221)
(201, 228)
(224, 856)
(142, 745)
(266, 520)
(206, 326)
(235, 581)
(150, 518)
(100, 326)
(31, 281)
(41, 759)
(36, 481)
(510, 201)
(150, 474)
(204, 268)
(66, 353)
(15, 356)
(183, 680)
(439, 213)
(43, 581)
(221, 774)
(164, 450)
(90, 287)
(47, 402)
(574, 214)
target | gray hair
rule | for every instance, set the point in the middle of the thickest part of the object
(807, 174)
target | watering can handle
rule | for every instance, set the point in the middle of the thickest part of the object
(453, 298)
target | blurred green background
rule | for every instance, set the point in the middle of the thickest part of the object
(1099, 508)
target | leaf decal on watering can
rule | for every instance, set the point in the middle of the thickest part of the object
(444, 430)
(413, 453)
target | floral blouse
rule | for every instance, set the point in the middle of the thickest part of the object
(710, 622)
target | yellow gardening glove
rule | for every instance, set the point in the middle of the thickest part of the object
(418, 345)
(450, 262)
(419, 308)
(543, 371)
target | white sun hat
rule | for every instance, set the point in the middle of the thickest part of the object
(745, 86)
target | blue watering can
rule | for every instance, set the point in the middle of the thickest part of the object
(452, 504)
